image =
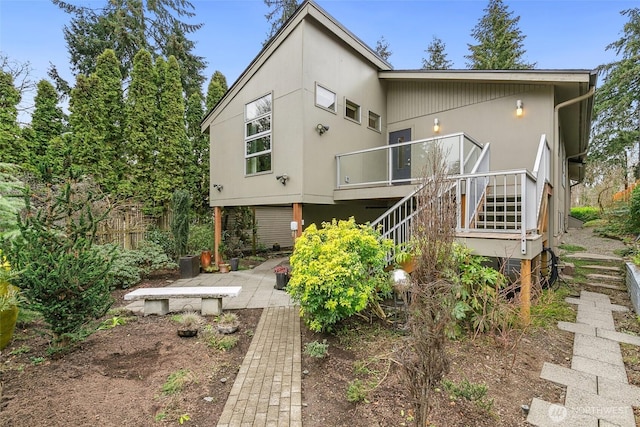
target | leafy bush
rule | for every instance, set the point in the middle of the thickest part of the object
(480, 305)
(337, 271)
(130, 266)
(634, 209)
(585, 213)
(200, 238)
(317, 349)
(164, 239)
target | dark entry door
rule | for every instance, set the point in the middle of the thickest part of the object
(400, 156)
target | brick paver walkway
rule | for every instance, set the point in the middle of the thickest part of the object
(268, 388)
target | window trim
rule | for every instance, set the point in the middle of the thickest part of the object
(379, 121)
(335, 96)
(348, 102)
(258, 135)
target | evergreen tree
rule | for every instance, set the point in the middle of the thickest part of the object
(141, 112)
(11, 143)
(191, 65)
(47, 122)
(437, 56)
(216, 90)
(282, 10)
(173, 148)
(617, 100)
(111, 167)
(198, 164)
(127, 26)
(382, 48)
(87, 137)
(500, 41)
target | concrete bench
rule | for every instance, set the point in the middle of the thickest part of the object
(156, 300)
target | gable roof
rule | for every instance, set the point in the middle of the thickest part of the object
(307, 10)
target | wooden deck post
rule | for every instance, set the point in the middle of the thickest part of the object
(217, 234)
(297, 217)
(525, 291)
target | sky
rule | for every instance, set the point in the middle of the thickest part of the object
(560, 34)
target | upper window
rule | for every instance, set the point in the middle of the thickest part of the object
(352, 111)
(257, 135)
(325, 98)
(374, 121)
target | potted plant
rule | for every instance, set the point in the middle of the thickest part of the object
(282, 276)
(224, 267)
(228, 323)
(189, 324)
(205, 259)
(405, 256)
(181, 206)
(235, 263)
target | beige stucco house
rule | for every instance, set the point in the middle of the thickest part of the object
(319, 126)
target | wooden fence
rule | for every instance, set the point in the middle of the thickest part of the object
(126, 226)
(625, 195)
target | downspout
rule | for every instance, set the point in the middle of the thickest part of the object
(556, 143)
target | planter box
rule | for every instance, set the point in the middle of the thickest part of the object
(189, 266)
(633, 285)
(282, 279)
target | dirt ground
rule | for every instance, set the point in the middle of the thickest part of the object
(116, 376)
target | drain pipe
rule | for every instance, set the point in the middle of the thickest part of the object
(556, 140)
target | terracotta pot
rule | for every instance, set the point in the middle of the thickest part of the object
(205, 259)
(224, 268)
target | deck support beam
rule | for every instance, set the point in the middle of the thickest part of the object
(525, 291)
(217, 234)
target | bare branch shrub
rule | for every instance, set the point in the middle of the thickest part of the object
(423, 358)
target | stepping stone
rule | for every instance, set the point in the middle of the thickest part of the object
(620, 392)
(569, 377)
(545, 414)
(604, 267)
(618, 336)
(601, 369)
(591, 257)
(596, 318)
(605, 277)
(594, 296)
(579, 328)
(603, 408)
(606, 286)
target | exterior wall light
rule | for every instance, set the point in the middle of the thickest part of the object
(283, 178)
(519, 110)
(436, 125)
(217, 187)
(321, 128)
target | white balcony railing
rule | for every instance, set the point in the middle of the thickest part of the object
(404, 163)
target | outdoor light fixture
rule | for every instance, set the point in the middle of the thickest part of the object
(283, 178)
(217, 187)
(519, 110)
(321, 128)
(436, 125)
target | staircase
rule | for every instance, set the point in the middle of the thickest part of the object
(500, 213)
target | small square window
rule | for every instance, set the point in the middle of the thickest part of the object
(325, 98)
(352, 110)
(374, 121)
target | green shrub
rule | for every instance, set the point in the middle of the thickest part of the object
(634, 210)
(585, 213)
(337, 271)
(480, 305)
(63, 276)
(317, 349)
(200, 238)
(131, 266)
(164, 239)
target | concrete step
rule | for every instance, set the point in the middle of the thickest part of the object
(605, 278)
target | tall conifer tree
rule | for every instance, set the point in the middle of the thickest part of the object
(216, 89)
(11, 147)
(140, 134)
(198, 165)
(47, 122)
(173, 146)
(500, 41)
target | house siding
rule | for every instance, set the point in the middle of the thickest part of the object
(274, 225)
